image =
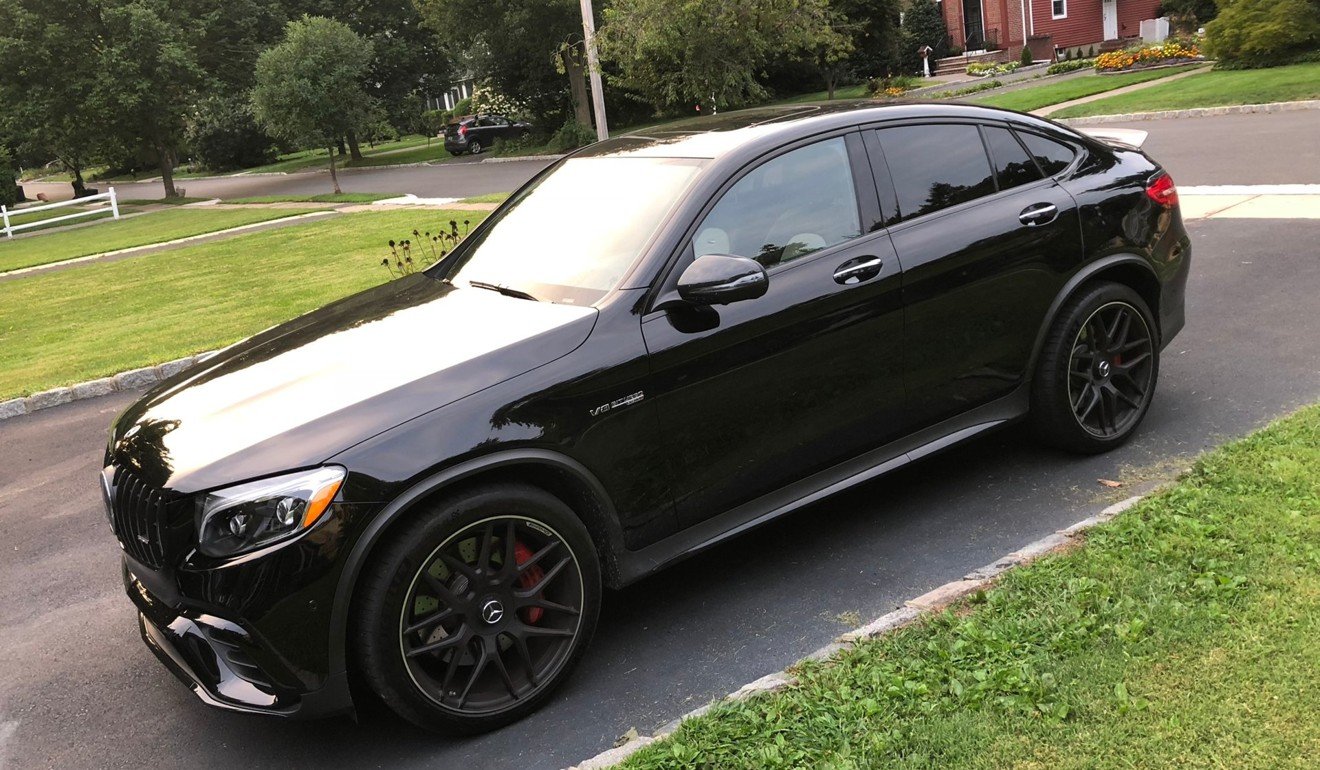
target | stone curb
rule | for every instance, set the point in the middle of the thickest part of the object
(134, 379)
(928, 603)
(1196, 112)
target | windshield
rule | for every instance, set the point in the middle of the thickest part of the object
(574, 235)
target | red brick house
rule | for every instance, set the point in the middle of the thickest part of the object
(1045, 25)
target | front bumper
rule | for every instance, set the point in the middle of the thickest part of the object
(223, 661)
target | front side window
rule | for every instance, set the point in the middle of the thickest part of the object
(798, 203)
(936, 166)
(574, 235)
(1059, 9)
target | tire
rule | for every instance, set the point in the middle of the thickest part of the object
(471, 645)
(1097, 371)
(475, 148)
(454, 153)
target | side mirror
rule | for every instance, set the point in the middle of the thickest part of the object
(715, 279)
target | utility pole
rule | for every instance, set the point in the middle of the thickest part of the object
(593, 67)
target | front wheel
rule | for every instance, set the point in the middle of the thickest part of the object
(475, 148)
(475, 611)
(1097, 370)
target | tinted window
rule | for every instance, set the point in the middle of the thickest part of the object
(1013, 166)
(937, 166)
(797, 203)
(1052, 156)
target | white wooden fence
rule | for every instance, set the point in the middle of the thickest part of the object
(8, 214)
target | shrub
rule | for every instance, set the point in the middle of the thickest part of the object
(1263, 33)
(923, 24)
(1069, 66)
(1024, 58)
(224, 134)
(983, 86)
(571, 136)
(1144, 56)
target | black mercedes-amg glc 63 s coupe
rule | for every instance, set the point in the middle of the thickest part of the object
(660, 341)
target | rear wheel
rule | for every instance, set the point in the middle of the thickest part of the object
(1097, 371)
(478, 609)
(475, 148)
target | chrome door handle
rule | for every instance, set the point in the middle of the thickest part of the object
(1038, 214)
(858, 270)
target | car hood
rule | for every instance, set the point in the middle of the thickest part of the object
(303, 391)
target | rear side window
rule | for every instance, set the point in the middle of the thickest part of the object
(1013, 166)
(937, 166)
(1052, 156)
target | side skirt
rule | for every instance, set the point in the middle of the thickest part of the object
(634, 565)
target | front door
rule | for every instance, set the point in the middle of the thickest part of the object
(973, 26)
(1109, 11)
(756, 395)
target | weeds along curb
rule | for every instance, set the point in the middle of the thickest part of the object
(134, 379)
(928, 603)
(1195, 112)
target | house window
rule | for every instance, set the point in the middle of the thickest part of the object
(1059, 9)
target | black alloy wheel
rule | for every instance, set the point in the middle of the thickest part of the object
(1097, 370)
(1111, 369)
(493, 598)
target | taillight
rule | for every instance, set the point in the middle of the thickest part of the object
(1162, 190)
(462, 129)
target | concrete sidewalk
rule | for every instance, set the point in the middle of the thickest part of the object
(1296, 201)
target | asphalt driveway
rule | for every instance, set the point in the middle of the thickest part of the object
(77, 687)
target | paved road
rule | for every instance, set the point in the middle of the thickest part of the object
(1197, 151)
(77, 688)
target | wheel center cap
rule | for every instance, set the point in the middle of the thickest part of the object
(492, 611)
(1103, 369)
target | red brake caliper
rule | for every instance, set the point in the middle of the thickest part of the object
(531, 577)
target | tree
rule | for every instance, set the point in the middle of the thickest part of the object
(1263, 33)
(1196, 11)
(46, 114)
(875, 35)
(709, 50)
(529, 51)
(923, 25)
(148, 79)
(309, 87)
(224, 134)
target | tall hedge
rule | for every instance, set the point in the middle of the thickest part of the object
(8, 179)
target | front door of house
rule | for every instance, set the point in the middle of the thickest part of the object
(1109, 10)
(973, 26)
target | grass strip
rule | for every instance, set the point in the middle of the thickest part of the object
(488, 198)
(103, 318)
(155, 227)
(1181, 634)
(1295, 82)
(325, 198)
(1033, 98)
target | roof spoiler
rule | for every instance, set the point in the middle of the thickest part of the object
(1123, 137)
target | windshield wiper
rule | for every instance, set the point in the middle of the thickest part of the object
(505, 290)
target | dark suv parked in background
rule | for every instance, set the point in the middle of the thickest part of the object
(478, 133)
(659, 342)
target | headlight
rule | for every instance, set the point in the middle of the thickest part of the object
(249, 516)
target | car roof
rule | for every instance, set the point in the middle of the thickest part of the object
(726, 134)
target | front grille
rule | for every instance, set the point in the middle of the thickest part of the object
(143, 518)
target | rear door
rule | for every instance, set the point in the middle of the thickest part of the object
(756, 395)
(986, 239)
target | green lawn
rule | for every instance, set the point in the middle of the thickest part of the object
(127, 233)
(18, 217)
(857, 91)
(1027, 99)
(326, 198)
(99, 319)
(412, 149)
(1182, 634)
(489, 198)
(1212, 89)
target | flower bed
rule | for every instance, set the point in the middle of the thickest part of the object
(1168, 52)
(986, 69)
